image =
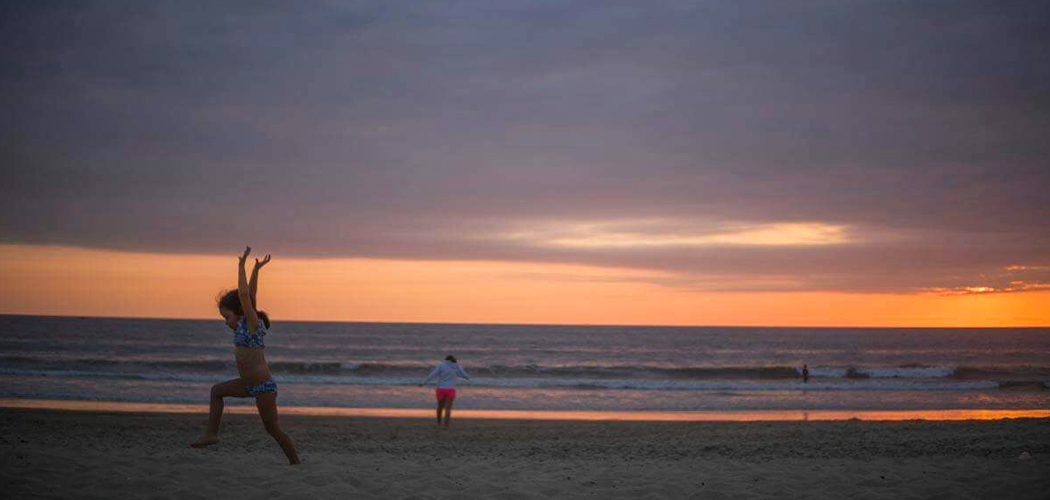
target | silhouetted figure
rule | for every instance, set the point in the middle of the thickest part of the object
(249, 325)
(805, 374)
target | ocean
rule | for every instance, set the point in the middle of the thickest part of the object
(536, 367)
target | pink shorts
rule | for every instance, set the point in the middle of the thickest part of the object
(448, 394)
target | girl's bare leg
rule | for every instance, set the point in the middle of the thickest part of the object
(231, 388)
(441, 407)
(267, 405)
(448, 411)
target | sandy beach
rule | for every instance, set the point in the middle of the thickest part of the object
(60, 454)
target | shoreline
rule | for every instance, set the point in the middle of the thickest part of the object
(546, 415)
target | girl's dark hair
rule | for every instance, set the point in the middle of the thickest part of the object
(450, 358)
(231, 300)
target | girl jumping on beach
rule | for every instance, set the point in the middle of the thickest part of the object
(249, 326)
(446, 374)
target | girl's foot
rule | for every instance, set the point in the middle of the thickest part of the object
(294, 460)
(205, 441)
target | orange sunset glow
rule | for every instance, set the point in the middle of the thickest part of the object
(69, 281)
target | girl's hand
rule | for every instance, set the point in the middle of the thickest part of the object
(247, 250)
(259, 264)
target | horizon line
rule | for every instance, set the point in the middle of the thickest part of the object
(610, 325)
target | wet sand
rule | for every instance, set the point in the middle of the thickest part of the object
(245, 407)
(63, 454)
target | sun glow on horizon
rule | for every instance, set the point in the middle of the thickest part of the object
(73, 281)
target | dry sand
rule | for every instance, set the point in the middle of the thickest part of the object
(57, 454)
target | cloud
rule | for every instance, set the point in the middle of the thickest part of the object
(666, 233)
(1009, 279)
(907, 139)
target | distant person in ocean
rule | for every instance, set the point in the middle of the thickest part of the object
(446, 373)
(805, 374)
(238, 308)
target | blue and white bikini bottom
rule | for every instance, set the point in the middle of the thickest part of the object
(268, 386)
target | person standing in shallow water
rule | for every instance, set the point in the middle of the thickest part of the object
(238, 308)
(446, 374)
(805, 374)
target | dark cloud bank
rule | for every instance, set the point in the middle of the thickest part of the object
(431, 130)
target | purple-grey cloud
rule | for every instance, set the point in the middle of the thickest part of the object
(430, 131)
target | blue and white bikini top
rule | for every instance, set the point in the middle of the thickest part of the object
(242, 338)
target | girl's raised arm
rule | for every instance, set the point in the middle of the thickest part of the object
(253, 284)
(245, 295)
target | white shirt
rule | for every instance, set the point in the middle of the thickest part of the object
(446, 374)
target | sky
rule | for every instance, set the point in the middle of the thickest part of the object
(776, 163)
